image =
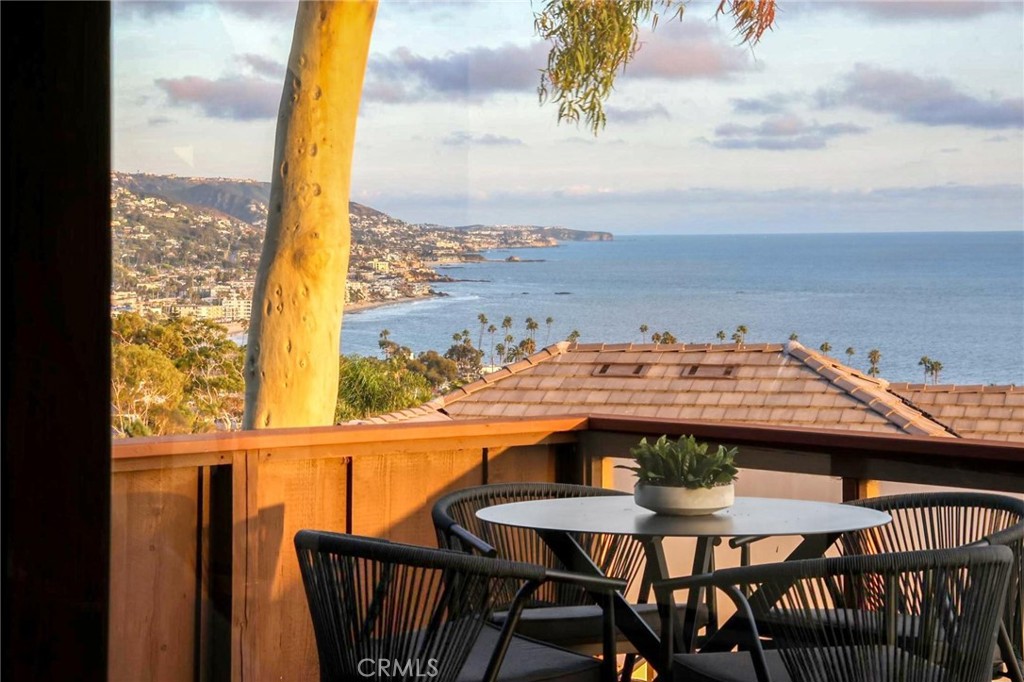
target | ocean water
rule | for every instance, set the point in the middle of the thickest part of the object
(956, 297)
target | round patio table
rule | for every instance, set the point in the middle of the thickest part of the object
(557, 520)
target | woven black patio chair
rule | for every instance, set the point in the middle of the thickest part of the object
(955, 595)
(946, 520)
(561, 614)
(390, 611)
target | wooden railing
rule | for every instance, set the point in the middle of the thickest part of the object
(204, 584)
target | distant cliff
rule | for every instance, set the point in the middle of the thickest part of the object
(248, 200)
(564, 234)
(243, 199)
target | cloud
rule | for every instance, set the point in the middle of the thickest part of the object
(461, 137)
(928, 101)
(260, 9)
(262, 66)
(636, 114)
(148, 9)
(159, 120)
(476, 73)
(673, 52)
(781, 133)
(231, 97)
(685, 51)
(918, 10)
(774, 103)
(255, 9)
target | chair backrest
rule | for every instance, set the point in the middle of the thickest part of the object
(617, 556)
(946, 520)
(394, 611)
(926, 616)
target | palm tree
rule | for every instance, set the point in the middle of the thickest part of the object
(874, 356)
(742, 332)
(490, 330)
(548, 321)
(483, 323)
(656, 338)
(720, 335)
(825, 347)
(501, 352)
(574, 336)
(793, 336)
(926, 363)
(385, 342)
(668, 338)
(850, 352)
(737, 338)
(936, 369)
(531, 327)
(643, 332)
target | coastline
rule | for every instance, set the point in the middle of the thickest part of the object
(370, 305)
(238, 329)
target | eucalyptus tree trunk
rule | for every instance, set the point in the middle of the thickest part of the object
(291, 364)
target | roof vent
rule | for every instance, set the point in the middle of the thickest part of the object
(709, 371)
(620, 370)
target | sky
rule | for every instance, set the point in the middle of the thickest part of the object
(857, 116)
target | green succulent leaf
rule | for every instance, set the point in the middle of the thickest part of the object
(682, 463)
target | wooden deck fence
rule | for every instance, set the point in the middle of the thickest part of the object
(204, 581)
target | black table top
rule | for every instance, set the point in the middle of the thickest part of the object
(619, 515)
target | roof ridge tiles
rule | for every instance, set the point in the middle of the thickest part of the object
(955, 388)
(876, 394)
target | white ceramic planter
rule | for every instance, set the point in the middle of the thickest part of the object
(684, 501)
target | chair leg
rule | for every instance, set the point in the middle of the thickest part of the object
(627, 668)
(1008, 655)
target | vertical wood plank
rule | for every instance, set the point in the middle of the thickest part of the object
(528, 463)
(392, 495)
(204, 603)
(154, 521)
(244, 546)
(292, 495)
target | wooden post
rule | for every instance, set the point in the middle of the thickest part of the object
(859, 489)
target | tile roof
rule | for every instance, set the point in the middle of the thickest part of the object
(991, 412)
(756, 383)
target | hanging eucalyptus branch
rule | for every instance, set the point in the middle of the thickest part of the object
(593, 40)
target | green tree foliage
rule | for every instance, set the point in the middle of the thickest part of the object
(825, 348)
(593, 40)
(371, 386)
(440, 372)
(467, 357)
(209, 363)
(146, 392)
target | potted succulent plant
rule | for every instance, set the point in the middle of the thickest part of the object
(681, 477)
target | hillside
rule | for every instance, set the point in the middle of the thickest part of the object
(242, 199)
(191, 246)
